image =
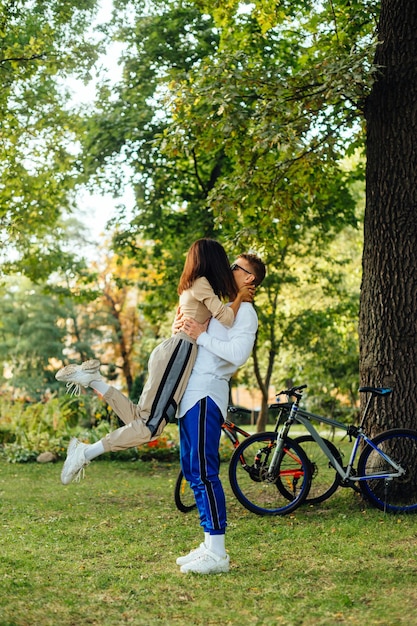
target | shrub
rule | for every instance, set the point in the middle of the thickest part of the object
(27, 429)
(162, 449)
(31, 428)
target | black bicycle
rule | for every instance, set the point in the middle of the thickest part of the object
(319, 467)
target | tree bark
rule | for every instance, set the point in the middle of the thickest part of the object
(388, 312)
(262, 420)
(124, 352)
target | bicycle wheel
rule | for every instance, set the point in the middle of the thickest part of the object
(324, 478)
(248, 475)
(391, 494)
(184, 495)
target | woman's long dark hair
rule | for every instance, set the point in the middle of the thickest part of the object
(206, 257)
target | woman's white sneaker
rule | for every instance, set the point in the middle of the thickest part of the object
(77, 376)
(75, 462)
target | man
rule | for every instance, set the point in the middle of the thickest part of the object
(202, 411)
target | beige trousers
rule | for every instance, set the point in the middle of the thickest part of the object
(169, 369)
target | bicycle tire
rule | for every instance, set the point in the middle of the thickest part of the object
(248, 475)
(398, 494)
(183, 494)
(324, 478)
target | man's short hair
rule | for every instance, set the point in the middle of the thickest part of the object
(257, 266)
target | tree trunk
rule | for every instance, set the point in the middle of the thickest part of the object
(261, 422)
(124, 352)
(388, 313)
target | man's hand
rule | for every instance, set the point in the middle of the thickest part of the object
(178, 322)
(188, 325)
(194, 329)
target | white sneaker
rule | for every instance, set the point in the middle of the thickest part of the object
(207, 563)
(193, 554)
(77, 376)
(75, 462)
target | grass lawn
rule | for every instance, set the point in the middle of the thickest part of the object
(102, 552)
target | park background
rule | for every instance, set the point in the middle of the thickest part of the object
(283, 128)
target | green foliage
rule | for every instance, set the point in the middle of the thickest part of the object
(28, 429)
(30, 336)
(235, 120)
(40, 45)
(258, 106)
(35, 333)
(320, 338)
(232, 121)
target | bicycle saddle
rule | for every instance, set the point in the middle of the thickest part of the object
(377, 391)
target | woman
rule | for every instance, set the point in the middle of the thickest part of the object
(206, 279)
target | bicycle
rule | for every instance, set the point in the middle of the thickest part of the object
(263, 473)
(324, 481)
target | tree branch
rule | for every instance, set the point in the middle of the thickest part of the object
(19, 59)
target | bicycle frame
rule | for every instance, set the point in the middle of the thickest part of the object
(230, 429)
(346, 474)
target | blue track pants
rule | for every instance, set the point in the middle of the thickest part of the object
(200, 431)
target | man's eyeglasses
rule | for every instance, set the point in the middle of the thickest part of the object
(235, 266)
